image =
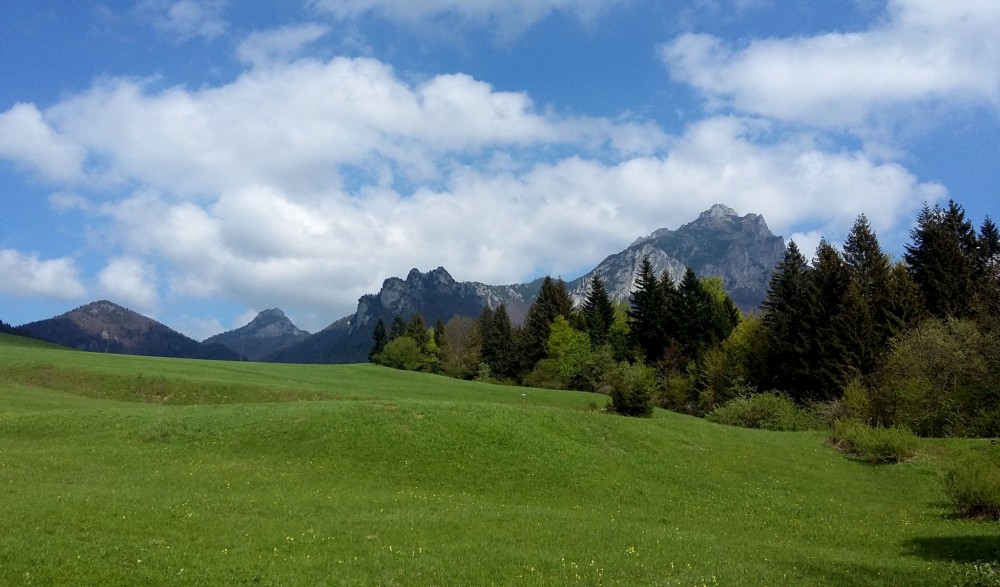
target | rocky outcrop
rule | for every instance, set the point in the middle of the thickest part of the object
(269, 332)
(739, 249)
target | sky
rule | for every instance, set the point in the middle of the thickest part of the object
(199, 161)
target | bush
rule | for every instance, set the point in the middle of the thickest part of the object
(631, 389)
(767, 411)
(972, 483)
(875, 445)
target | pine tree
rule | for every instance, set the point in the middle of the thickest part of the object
(598, 312)
(648, 313)
(870, 270)
(553, 300)
(397, 329)
(838, 323)
(380, 338)
(941, 260)
(417, 330)
(695, 329)
(499, 349)
(786, 323)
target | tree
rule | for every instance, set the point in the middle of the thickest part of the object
(417, 330)
(786, 324)
(598, 312)
(648, 313)
(461, 346)
(870, 270)
(398, 327)
(499, 350)
(553, 300)
(404, 353)
(839, 324)
(942, 259)
(380, 338)
(631, 387)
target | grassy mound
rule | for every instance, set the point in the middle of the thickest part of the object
(359, 475)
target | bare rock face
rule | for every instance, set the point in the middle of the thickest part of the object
(269, 332)
(739, 249)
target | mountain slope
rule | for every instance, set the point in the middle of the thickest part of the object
(104, 326)
(269, 332)
(740, 250)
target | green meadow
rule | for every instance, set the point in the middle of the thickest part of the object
(122, 470)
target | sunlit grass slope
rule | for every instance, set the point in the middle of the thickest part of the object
(146, 471)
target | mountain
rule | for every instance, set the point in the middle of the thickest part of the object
(103, 326)
(268, 333)
(739, 249)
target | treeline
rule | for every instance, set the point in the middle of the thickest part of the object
(849, 333)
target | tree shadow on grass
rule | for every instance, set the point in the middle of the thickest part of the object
(958, 549)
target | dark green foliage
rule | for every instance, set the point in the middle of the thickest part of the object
(649, 312)
(695, 329)
(499, 349)
(553, 300)
(440, 337)
(972, 483)
(417, 330)
(942, 260)
(598, 312)
(839, 323)
(872, 275)
(379, 337)
(631, 387)
(397, 328)
(874, 445)
(787, 324)
(767, 411)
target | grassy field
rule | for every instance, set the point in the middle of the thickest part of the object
(118, 470)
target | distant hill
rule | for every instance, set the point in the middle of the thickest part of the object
(741, 250)
(269, 332)
(104, 326)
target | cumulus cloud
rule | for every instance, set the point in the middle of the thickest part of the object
(924, 52)
(130, 281)
(24, 274)
(298, 126)
(304, 184)
(509, 18)
(185, 18)
(27, 138)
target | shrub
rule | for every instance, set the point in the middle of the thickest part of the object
(631, 389)
(768, 411)
(875, 445)
(972, 483)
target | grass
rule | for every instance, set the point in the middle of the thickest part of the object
(256, 474)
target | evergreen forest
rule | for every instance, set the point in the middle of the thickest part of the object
(847, 334)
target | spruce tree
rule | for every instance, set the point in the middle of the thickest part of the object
(553, 300)
(397, 329)
(648, 313)
(695, 329)
(870, 270)
(380, 337)
(838, 325)
(417, 330)
(499, 349)
(786, 323)
(941, 260)
(598, 312)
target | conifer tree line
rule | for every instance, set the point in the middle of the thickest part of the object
(908, 342)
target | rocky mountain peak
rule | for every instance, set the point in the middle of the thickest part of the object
(269, 331)
(718, 211)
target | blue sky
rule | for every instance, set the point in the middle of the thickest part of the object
(202, 160)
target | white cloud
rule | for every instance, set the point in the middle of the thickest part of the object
(185, 18)
(27, 138)
(925, 52)
(297, 126)
(261, 48)
(508, 18)
(130, 281)
(27, 275)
